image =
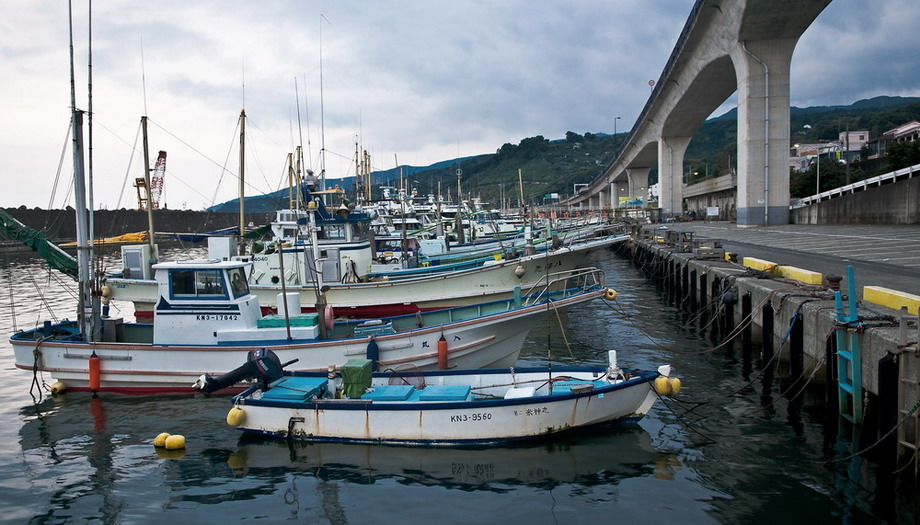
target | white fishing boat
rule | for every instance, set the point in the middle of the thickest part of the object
(207, 319)
(340, 263)
(437, 408)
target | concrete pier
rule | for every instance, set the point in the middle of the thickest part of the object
(793, 313)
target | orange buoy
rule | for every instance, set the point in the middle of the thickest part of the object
(95, 372)
(442, 353)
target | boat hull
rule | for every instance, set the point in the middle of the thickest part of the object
(453, 423)
(490, 282)
(493, 340)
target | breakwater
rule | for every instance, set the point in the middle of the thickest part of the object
(59, 225)
(862, 358)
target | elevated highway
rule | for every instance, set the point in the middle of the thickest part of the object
(726, 46)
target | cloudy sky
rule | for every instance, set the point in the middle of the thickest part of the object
(412, 80)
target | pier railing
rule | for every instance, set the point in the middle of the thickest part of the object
(569, 283)
(903, 173)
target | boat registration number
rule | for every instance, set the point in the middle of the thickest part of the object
(217, 317)
(478, 416)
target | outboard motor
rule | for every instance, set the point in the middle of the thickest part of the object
(261, 364)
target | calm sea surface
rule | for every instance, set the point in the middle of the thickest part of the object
(734, 450)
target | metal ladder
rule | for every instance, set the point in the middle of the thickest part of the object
(849, 356)
(909, 395)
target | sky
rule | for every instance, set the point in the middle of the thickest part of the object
(412, 81)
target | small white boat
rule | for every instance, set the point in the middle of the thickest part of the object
(438, 408)
(207, 320)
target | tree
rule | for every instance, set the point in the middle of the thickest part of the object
(903, 154)
(571, 136)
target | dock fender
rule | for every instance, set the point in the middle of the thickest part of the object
(329, 317)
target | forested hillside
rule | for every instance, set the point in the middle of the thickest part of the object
(555, 166)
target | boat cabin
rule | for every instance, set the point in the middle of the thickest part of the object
(208, 302)
(334, 243)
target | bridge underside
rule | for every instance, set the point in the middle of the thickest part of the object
(729, 46)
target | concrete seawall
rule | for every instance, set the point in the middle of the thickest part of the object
(795, 324)
(59, 225)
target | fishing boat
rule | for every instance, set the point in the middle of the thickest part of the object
(317, 249)
(437, 408)
(206, 319)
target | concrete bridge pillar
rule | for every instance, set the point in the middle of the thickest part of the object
(616, 191)
(670, 173)
(638, 182)
(762, 67)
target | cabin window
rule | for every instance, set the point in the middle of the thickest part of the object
(197, 283)
(334, 231)
(238, 282)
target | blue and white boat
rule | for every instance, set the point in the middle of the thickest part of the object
(439, 408)
(207, 319)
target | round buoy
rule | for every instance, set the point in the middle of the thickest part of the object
(160, 440)
(58, 388)
(236, 416)
(662, 386)
(175, 442)
(610, 294)
(674, 383)
(519, 271)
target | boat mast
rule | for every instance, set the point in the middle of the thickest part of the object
(85, 298)
(150, 238)
(91, 227)
(291, 186)
(242, 247)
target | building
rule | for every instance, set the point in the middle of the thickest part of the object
(907, 132)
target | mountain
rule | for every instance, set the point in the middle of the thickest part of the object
(555, 166)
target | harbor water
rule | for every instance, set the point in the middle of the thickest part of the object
(732, 448)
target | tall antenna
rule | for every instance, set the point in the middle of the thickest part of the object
(322, 115)
(299, 127)
(143, 76)
(306, 109)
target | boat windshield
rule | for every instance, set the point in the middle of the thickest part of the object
(196, 283)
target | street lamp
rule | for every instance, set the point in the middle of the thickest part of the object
(818, 183)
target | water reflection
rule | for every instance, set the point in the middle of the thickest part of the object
(735, 451)
(602, 456)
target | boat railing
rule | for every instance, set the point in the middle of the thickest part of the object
(559, 285)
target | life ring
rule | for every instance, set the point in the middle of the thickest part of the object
(328, 317)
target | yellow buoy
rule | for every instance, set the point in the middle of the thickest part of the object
(610, 294)
(674, 383)
(236, 416)
(160, 440)
(662, 386)
(58, 388)
(175, 442)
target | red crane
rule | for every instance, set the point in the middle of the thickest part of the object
(155, 192)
